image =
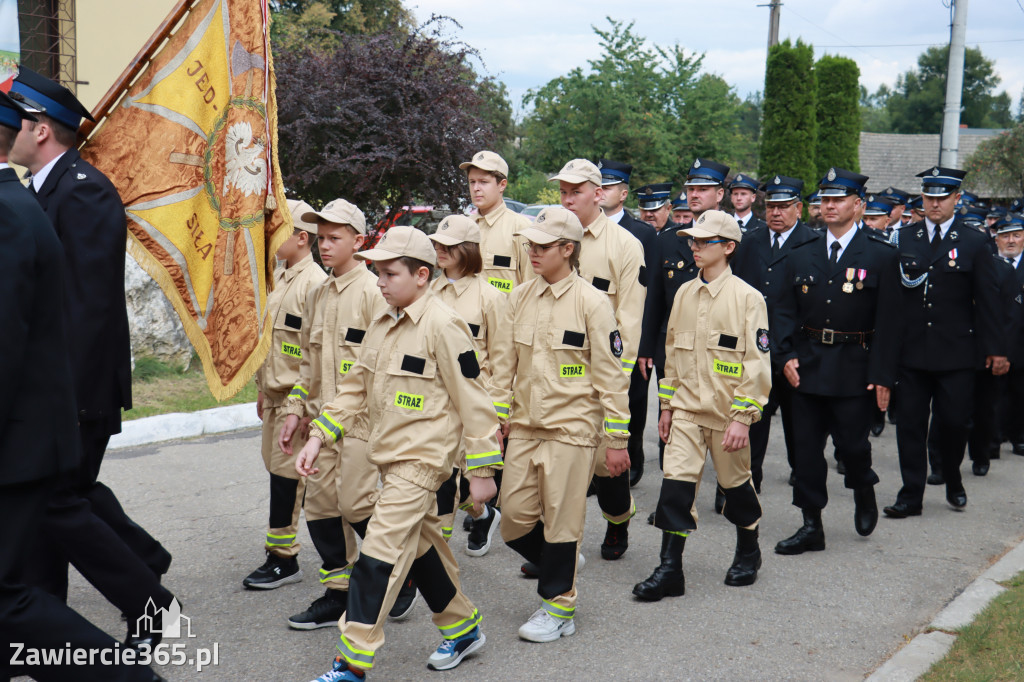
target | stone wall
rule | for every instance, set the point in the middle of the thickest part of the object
(155, 328)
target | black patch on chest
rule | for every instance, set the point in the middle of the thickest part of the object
(573, 339)
(474, 329)
(602, 284)
(411, 363)
(468, 364)
(503, 261)
(354, 335)
(726, 341)
(293, 321)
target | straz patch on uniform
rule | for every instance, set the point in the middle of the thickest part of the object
(762, 340)
(572, 371)
(345, 366)
(616, 341)
(729, 369)
(291, 350)
(409, 401)
(500, 284)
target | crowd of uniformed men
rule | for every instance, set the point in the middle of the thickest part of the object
(503, 367)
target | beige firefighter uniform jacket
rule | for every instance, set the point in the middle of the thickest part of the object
(506, 264)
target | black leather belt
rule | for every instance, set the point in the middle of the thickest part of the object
(831, 336)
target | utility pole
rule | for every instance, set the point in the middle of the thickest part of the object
(773, 23)
(949, 141)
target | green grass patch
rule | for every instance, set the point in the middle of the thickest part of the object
(159, 388)
(991, 649)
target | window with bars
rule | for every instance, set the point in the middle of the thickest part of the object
(48, 39)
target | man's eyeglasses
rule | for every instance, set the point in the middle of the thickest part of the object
(698, 244)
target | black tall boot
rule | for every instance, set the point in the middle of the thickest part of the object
(667, 579)
(810, 537)
(747, 559)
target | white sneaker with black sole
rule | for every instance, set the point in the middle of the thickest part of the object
(543, 627)
(479, 542)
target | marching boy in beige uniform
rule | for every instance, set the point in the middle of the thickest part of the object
(285, 311)
(461, 286)
(717, 378)
(338, 312)
(418, 380)
(564, 368)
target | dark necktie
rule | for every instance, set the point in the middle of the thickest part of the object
(835, 253)
(936, 239)
(775, 245)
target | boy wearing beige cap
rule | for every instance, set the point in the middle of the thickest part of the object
(286, 307)
(418, 381)
(339, 311)
(461, 286)
(717, 378)
(564, 367)
(504, 263)
(612, 260)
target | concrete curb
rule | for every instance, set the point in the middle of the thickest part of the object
(917, 657)
(176, 426)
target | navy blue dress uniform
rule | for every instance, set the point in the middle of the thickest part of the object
(750, 221)
(84, 522)
(761, 262)
(38, 432)
(679, 204)
(1011, 425)
(839, 319)
(950, 317)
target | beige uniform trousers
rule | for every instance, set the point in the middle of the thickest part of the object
(403, 528)
(281, 541)
(547, 480)
(686, 453)
(345, 486)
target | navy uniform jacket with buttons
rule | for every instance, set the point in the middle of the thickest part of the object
(815, 299)
(643, 232)
(755, 265)
(1017, 347)
(89, 218)
(752, 224)
(38, 430)
(953, 317)
(1011, 299)
(673, 266)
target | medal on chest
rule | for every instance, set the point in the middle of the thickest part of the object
(848, 285)
(952, 258)
(861, 276)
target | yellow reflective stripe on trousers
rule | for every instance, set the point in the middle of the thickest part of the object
(632, 513)
(446, 532)
(328, 425)
(557, 611)
(616, 426)
(685, 534)
(483, 459)
(502, 409)
(741, 402)
(345, 572)
(357, 657)
(456, 630)
(666, 392)
(280, 540)
(298, 392)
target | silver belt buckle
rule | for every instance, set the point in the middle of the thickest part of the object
(828, 336)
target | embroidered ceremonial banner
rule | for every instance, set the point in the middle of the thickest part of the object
(10, 43)
(192, 148)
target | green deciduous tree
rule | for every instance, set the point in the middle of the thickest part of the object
(368, 17)
(838, 114)
(998, 163)
(916, 103)
(789, 129)
(642, 104)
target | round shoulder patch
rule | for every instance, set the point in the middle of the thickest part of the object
(762, 340)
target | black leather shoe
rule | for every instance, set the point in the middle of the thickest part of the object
(865, 511)
(878, 426)
(1018, 448)
(840, 467)
(668, 579)
(901, 510)
(809, 538)
(979, 468)
(530, 569)
(746, 561)
(719, 500)
(616, 541)
(993, 450)
(957, 499)
(636, 473)
(935, 478)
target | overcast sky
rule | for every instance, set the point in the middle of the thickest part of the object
(526, 43)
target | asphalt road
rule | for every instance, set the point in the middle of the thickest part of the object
(832, 615)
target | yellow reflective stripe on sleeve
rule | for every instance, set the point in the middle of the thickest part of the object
(483, 459)
(456, 630)
(446, 532)
(666, 392)
(628, 365)
(741, 402)
(298, 392)
(357, 657)
(502, 409)
(557, 611)
(616, 426)
(328, 425)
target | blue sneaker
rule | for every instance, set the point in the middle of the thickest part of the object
(452, 651)
(340, 672)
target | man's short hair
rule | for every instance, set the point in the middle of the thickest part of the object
(63, 134)
(7, 136)
(414, 264)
